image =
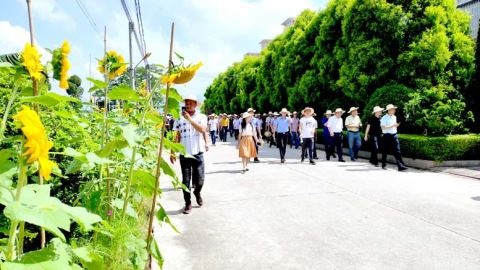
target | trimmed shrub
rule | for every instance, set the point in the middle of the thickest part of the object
(452, 147)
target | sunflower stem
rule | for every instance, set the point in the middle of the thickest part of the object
(3, 126)
(22, 181)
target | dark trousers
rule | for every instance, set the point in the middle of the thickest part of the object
(315, 148)
(230, 130)
(295, 139)
(213, 136)
(223, 134)
(236, 132)
(282, 139)
(307, 145)
(375, 141)
(336, 142)
(193, 170)
(272, 141)
(391, 145)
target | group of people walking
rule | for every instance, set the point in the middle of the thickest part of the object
(280, 129)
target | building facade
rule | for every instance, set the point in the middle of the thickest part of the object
(473, 8)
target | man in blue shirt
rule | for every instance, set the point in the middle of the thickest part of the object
(281, 129)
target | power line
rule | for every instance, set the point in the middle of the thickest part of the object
(140, 24)
(127, 13)
(87, 15)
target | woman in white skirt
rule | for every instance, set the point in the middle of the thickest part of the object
(246, 143)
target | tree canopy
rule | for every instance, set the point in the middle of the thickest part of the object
(354, 53)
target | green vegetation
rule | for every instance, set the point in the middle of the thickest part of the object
(415, 54)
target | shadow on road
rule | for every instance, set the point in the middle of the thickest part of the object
(225, 171)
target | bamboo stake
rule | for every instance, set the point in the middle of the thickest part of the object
(160, 151)
(35, 93)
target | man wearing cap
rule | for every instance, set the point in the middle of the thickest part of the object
(236, 125)
(294, 130)
(307, 127)
(353, 125)
(390, 142)
(189, 131)
(373, 134)
(213, 128)
(335, 127)
(281, 127)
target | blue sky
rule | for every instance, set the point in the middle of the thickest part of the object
(216, 32)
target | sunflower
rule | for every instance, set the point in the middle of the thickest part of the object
(142, 89)
(114, 62)
(61, 65)
(37, 144)
(31, 61)
(182, 75)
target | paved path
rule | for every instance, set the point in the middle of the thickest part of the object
(328, 216)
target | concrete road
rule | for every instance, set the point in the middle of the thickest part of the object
(329, 216)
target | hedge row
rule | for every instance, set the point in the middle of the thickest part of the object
(452, 147)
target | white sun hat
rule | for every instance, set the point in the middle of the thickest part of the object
(377, 109)
(339, 110)
(390, 106)
(284, 110)
(191, 97)
(353, 109)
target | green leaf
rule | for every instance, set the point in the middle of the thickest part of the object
(144, 182)
(156, 254)
(89, 259)
(163, 217)
(173, 107)
(118, 203)
(131, 134)
(172, 93)
(166, 169)
(7, 168)
(72, 152)
(112, 146)
(123, 92)
(49, 99)
(175, 147)
(95, 159)
(38, 208)
(99, 84)
(54, 256)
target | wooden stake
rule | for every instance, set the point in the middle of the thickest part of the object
(160, 151)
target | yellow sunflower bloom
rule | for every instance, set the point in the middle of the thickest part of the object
(37, 144)
(182, 75)
(65, 65)
(186, 75)
(31, 61)
(114, 62)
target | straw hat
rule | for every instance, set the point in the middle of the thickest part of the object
(377, 109)
(250, 110)
(339, 110)
(246, 114)
(308, 109)
(270, 112)
(353, 109)
(276, 114)
(390, 106)
(284, 110)
(295, 112)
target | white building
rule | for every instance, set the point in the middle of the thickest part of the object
(264, 43)
(473, 8)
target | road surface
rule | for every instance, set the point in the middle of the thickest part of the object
(329, 216)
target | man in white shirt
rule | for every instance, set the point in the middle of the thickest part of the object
(307, 128)
(189, 132)
(389, 125)
(236, 125)
(353, 123)
(335, 127)
(213, 128)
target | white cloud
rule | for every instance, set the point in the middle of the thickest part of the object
(49, 10)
